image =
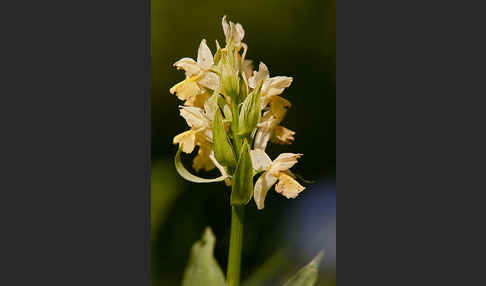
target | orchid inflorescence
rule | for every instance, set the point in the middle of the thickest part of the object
(233, 112)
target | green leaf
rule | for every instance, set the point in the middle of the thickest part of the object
(190, 177)
(164, 190)
(202, 268)
(307, 276)
(242, 184)
(222, 147)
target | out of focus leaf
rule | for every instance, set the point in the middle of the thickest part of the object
(164, 191)
(269, 269)
(307, 276)
(203, 269)
(242, 184)
(190, 177)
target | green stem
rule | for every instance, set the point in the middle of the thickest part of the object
(234, 129)
(236, 240)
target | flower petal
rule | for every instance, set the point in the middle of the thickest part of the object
(280, 82)
(239, 33)
(202, 160)
(189, 65)
(210, 80)
(186, 89)
(261, 74)
(282, 135)
(247, 67)
(194, 117)
(284, 162)
(288, 187)
(204, 56)
(261, 138)
(267, 121)
(198, 101)
(260, 160)
(262, 185)
(279, 106)
(187, 141)
(226, 28)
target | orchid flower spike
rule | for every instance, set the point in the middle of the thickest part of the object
(233, 112)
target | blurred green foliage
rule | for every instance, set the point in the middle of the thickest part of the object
(293, 38)
(202, 268)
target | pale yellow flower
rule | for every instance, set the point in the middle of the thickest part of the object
(200, 121)
(274, 172)
(186, 140)
(269, 129)
(247, 68)
(282, 135)
(227, 82)
(195, 117)
(271, 88)
(202, 161)
(234, 33)
(199, 78)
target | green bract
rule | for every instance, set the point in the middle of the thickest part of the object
(242, 184)
(190, 177)
(223, 150)
(230, 81)
(250, 112)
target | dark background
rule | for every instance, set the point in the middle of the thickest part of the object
(293, 38)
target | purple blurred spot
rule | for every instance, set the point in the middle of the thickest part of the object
(311, 222)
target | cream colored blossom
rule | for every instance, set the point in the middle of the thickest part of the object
(271, 88)
(227, 82)
(200, 120)
(199, 78)
(186, 140)
(203, 161)
(269, 129)
(234, 33)
(247, 68)
(282, 135)
(274, 172)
